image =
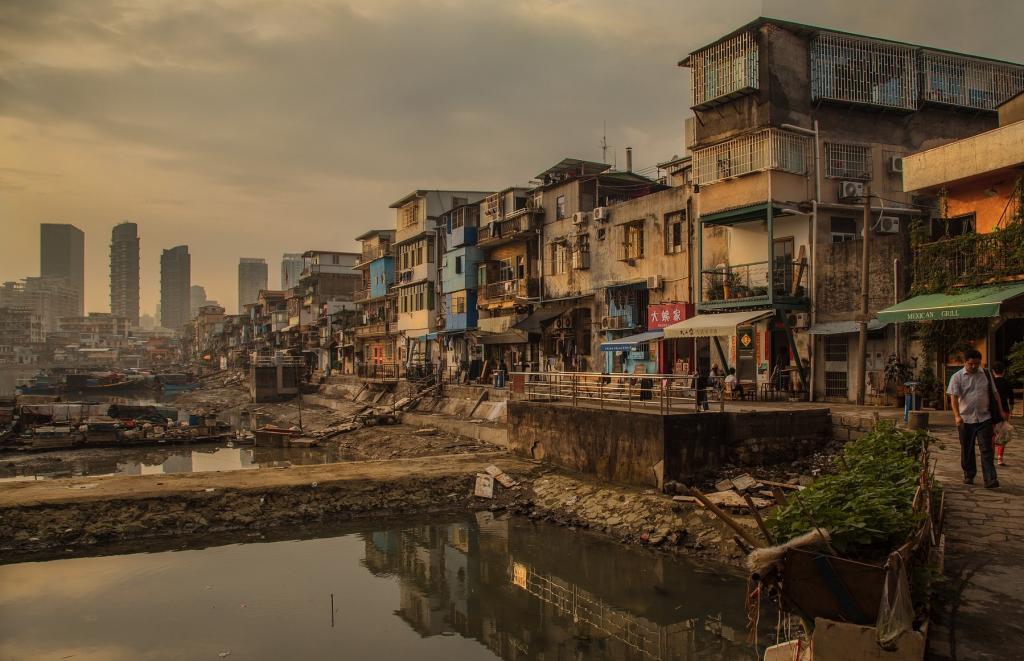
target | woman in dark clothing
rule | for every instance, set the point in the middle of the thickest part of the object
(1005, 392)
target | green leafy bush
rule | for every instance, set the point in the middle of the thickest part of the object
(867, 506)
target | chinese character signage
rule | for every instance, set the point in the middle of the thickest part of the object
(665, 314)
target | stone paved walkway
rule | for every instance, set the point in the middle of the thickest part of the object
(982, 614)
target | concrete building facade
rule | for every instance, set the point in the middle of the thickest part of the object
(375, 334)
(124, 272)
(291, 270)
(252, 277)
(175, 287)
(62, 254)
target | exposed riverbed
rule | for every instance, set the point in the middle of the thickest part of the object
(475, 587)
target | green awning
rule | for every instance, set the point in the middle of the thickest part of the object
(973, 303)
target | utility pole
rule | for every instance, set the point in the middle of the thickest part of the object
(862, 322)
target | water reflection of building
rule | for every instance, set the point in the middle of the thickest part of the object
(535, 592)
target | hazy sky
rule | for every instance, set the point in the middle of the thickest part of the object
(253, 128)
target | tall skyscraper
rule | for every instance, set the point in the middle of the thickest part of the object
(62, 254)
(197, 299)
(124, 272)
(175, 281)
(291, 269)
(252, 277)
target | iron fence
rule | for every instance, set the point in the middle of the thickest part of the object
(662, 393)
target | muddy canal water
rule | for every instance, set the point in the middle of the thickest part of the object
(482, 587)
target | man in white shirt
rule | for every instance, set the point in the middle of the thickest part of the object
(969, 393)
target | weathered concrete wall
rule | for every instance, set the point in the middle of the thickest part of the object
(839, 272)
(627, 447)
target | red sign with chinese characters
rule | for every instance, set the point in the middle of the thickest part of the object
(665, 314)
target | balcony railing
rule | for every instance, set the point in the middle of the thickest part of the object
(379, 371)
(507, 290)
(974, 259)
(361, 295)
(749, 284)
(375, 329)
(505, 230)
(375, 252)
(767, 149)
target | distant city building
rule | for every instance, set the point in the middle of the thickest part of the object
(62, 254)
(147, 321)
(20, 328)
(291, 270)
(49, 298)
(124, 272)
(252, 277)
(175, 281)
(197, 299)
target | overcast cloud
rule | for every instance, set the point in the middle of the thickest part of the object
(252, 128)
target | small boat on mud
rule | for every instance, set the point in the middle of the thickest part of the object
(171, 383)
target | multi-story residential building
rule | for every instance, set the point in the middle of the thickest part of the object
(62, 255)
(375, 335)
(416, 259)
(602, 259)
(49, 298)
(457, 314)
(795, 125)
(20, 330)
(124, 271)
(252, 277)
(291, 269)
(97, 329)
(175, 284)
(968, 265)
(508, 276)
(206, 344)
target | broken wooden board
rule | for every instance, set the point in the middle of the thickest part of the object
(745, 483)
(484, 487)
(502, 477)
(733, 499)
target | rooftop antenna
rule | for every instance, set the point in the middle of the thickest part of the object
(604, 142)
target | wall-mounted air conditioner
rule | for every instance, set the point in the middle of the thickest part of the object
(896, 164)
(851, 190)
(602, 214)
(888, 225)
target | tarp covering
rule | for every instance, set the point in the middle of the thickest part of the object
(714, 325)
(631, 341)
(511, 337)
(64, 412)
(973, 303)
(843, 327)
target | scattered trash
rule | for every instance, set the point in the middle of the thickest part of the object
(224, 654)
(315, 484)
(209, 489)
(502, 477)
(745, 483)
(484, 486)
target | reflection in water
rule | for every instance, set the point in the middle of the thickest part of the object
(528, 591)
(480, 589)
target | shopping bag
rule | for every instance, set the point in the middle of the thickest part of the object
(1003, 433)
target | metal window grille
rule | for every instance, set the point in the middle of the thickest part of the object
(964, 81)
(767, 149)
(409, 214)
(837, 348)
(857, 70)
(836, 384)
(725, 68)
(845, 161)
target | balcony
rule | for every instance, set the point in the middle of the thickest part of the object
(507, 290)
(747, 285)
(371, 253)
(970, 260)
(376, 329)
(505, 231)
(766, 149)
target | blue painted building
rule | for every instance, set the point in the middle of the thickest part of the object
(376, 336)
(458, 277)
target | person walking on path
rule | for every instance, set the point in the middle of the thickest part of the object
(971, 392)
(1005, 391)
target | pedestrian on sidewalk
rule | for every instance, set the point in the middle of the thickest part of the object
(1005, 391)
(973, 398)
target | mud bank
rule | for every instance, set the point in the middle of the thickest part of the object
(42, 516)
(633, 516)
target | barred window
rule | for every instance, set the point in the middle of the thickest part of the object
(725, 68)
(837, 348)
(846, 161)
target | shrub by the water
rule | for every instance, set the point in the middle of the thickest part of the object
(867, 506)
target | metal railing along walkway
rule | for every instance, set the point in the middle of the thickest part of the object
(661, 393)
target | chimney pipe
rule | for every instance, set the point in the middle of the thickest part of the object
(629, 159)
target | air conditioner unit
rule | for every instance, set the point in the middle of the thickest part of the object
(580, 217)
(654, 282)
(602, 214)
(800, 320)
(888, 225)
(606, 323)
(896, 164)
(440, 323)
(567, 322)
(851, 189)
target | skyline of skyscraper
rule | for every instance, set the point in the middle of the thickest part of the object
(62, 254)
(124, 271)
(291, 269)
(252, 277)
(175, 285)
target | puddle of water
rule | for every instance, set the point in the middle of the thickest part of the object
(149, 461)
(482, 588)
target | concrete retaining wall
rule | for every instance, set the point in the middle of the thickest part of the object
(649, 449)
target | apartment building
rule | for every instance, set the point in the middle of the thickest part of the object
(458, 314)
(375, 336)
(795, 126)
(416, 258)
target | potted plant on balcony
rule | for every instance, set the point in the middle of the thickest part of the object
(896, 375)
